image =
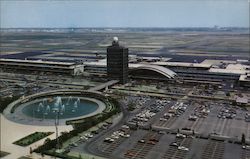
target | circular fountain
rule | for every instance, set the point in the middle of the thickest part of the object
(66, 107)
(43, 109)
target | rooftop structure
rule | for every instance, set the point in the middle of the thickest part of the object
(242, 100)
(44, 66)
(233, 69)
(159, 69)
(37, 62)
(245, 80)
(182, 64)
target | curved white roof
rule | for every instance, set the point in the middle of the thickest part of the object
(160, 69)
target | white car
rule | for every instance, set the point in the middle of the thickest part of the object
(90, 136)
(181, 135)
(115, 137)
(125, 135)
(109, 140)
(183, 148)
(83, 138)
(125, 126)
(246, 147)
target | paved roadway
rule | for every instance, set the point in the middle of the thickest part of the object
(90, 146)
(103, 85)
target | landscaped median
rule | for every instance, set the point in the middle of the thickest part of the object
(30, 139)
(2, 154)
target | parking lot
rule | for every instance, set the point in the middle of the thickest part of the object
(205, 119)
(114, 140)
(17, 84)
(149, 113)
(180, 129)
(158, 145)
(143, 146)
(213, 149)
(174, 151)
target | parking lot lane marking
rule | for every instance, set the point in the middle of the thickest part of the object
(195, 124)
(200, 124)
(219, 122)
(229, 128)
(247, 130)
(171, 122)
(224, 126)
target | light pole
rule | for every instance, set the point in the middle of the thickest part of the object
(56, 125)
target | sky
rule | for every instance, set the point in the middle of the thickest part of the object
(123, 13)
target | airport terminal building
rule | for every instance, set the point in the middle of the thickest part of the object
(208, 71)
(120, 66)
(41, 66)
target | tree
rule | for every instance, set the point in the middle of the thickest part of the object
(31, 150)
(47, 140)
(4, 102)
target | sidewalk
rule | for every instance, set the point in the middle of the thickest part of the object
(11, 132)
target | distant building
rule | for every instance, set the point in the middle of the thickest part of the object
(117, 62)
(241, 101)
(41, 66)
(245, 80)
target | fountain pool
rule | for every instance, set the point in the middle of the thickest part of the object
(43, 108)
(66, 107)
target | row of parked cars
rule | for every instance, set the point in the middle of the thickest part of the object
(137, 101)
(178, 109)
(202, 111)
(228, 113)
(247, 117)
(123, 132)
(178, 145)
(143, 116)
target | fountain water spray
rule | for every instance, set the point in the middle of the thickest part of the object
(47, 110)
(69, 100)
(75, 104)
(40, 106)
(62, 109)
(44, 101)
(78, 100)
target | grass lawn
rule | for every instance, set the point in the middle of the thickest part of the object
(23, 157)
(27, 140)
(2, 154)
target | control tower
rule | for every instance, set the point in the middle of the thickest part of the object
(117, 62)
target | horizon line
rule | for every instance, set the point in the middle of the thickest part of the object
(121, 27)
